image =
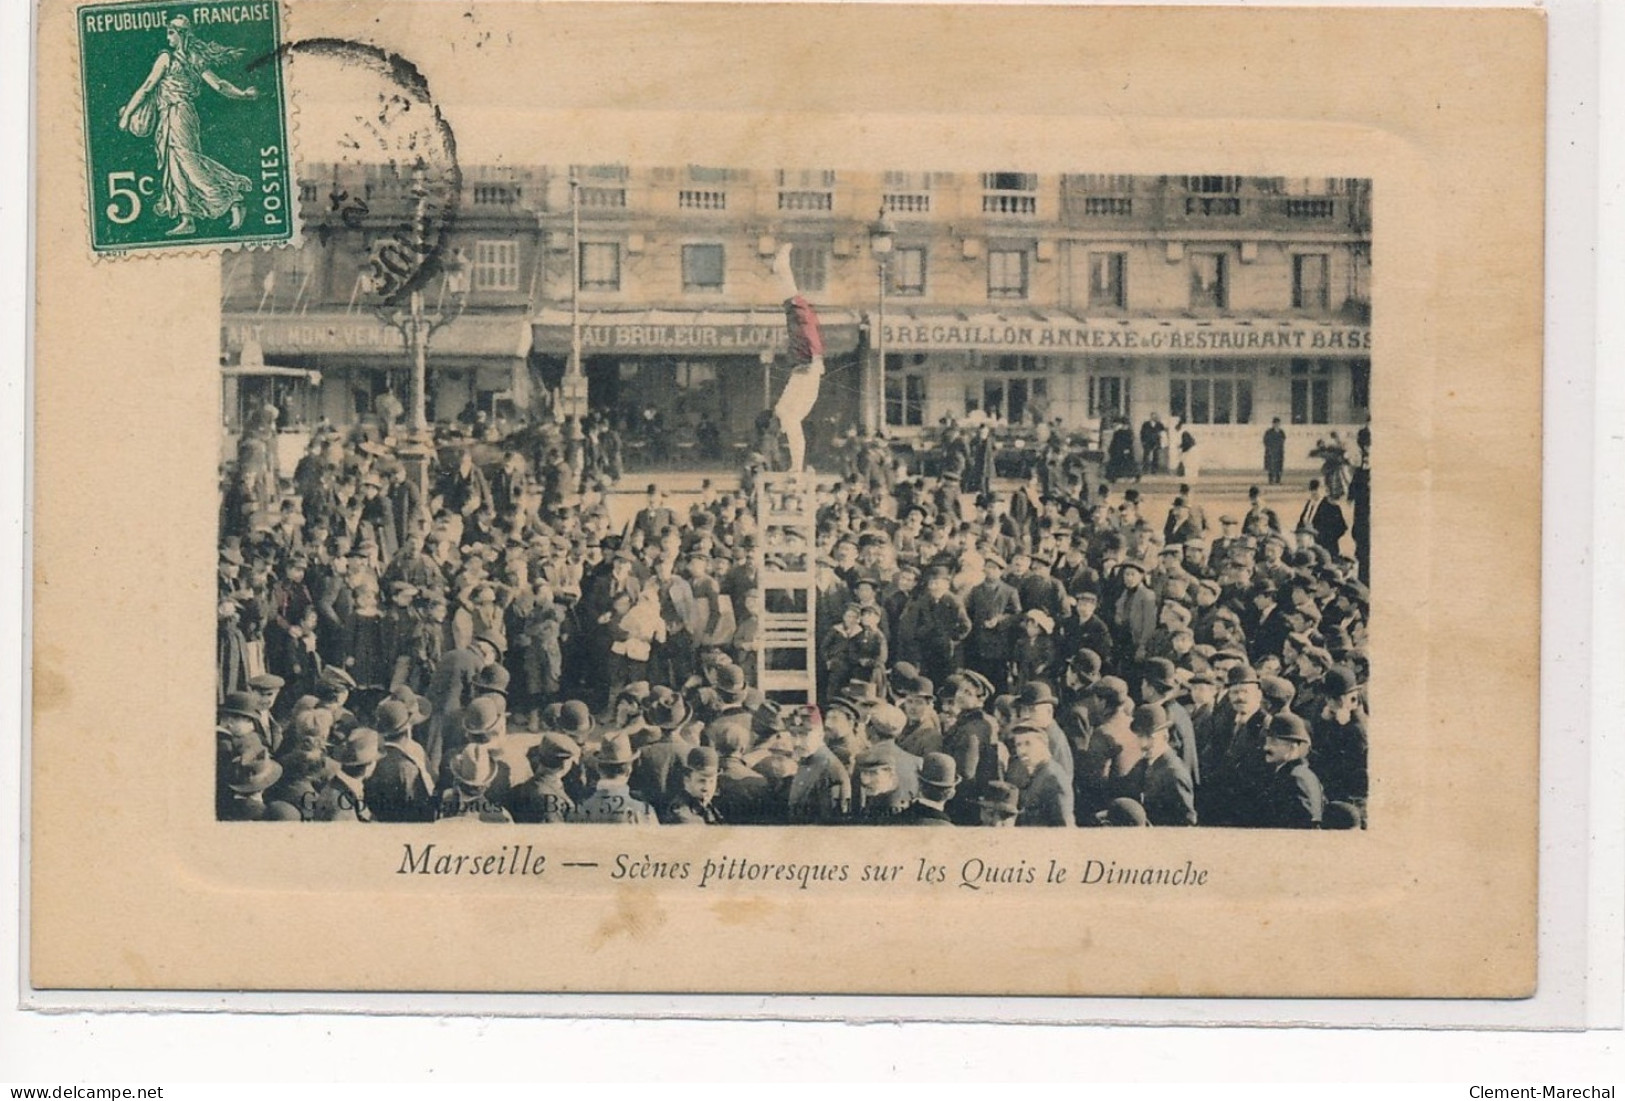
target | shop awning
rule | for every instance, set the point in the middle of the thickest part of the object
(1027, 331)
(356, 335)
(686, 332)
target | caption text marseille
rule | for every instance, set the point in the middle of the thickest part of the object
(973, 873)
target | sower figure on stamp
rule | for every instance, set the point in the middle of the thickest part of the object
(806, 362)
(165, 106)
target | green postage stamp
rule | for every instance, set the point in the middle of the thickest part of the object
(186, 131)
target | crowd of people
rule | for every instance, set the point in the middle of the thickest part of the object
(486, 642)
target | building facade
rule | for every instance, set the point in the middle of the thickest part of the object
(303, 329)
(1224, 301)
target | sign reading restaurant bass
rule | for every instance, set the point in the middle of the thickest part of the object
(1128, 337)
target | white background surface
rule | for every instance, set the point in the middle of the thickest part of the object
(1583, 759)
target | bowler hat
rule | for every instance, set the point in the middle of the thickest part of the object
(574, 719)
(481, 718)
(1149, 718)
(767, 721)
(861, 693)
(253, 773)
(1034, 693)
(1278, 690)
(414, 702)
(1112, 690)
(360, 747)
(553, 750)
(1287, 727)
(730, 682)
(616, 749)
(1240, 674)
(1124, 812)
(393, 717)
(1339, 681)
(938, 770)
(1084, 662)
(701, 761)
(1001, 797)
(245, 704)
(1159, 673)
(492, 678)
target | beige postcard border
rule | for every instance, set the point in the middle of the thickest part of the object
(133, 886)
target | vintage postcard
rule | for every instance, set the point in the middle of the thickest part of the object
(651, 458)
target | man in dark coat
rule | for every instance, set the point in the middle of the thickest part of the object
(654, 517)
(744, 796)
(820, 792)
(886, 722)
(1039, 591)
(979, 470)
(1046, 798)
(463, 489)
(1167, 793)
(694, 805)
(1325, 516)
(972, 741)
(1233, 770)
(938, 623)
(544, 797)
(938, 781)
(1338, 730)
(1274, 451)
(993, 607)
(401, 788)
(1291, 796)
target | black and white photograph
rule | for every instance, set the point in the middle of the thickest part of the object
(715, 495)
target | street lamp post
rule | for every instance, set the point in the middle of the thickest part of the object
(881, 237)
(573, 392)
(417, 322)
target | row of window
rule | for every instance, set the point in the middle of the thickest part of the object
(1203, 391)
(494, 268)
(1013, 184)
(1008, 273)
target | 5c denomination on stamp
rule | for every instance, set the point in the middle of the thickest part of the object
(186, 128)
